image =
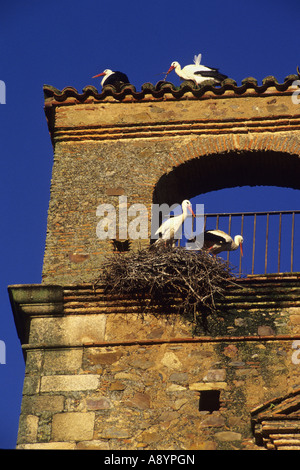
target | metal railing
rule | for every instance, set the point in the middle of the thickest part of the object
(269, 240)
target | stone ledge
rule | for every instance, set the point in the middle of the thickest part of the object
(200, 386)
(34, 299)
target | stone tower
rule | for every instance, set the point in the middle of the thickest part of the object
(98, 374)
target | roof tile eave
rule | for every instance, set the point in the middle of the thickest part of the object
(163, 89)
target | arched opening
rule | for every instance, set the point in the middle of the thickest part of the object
(227, 170)
(256, 193)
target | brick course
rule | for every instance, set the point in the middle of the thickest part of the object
(143, 148)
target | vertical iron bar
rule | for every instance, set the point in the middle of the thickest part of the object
(279, 242)
(217, 222)
(242, 233)
(292, 241)
(253, 246)
(267, 239)
(229, 233)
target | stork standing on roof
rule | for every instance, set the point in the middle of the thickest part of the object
(196, 72)
(216, 241)
(171, 226)
(112, 78)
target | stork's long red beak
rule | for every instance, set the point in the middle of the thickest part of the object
(170, 69)
(191, 211)
(241, 248)
(99, 75)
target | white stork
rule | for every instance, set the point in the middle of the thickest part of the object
(112, 78)
(170, 227)
(196, 72)
(216, 241)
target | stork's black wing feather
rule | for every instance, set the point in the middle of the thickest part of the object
(213, 237)
(116, 77)
(213, 73)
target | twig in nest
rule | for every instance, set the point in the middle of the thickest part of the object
(161, 276)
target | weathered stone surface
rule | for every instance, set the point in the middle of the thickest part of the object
(175, 388)
(92, 445)
(63, 360)
(96, 357)
(34, 361)
(179, 377)
(126, 376)
(73, 426)
(112, 432)
(214, 420)
(155, 407)
(31, 385)
(231, 350)
(169, 416)
(228, 436)
(171, 361)
(215, 375)
(54, 383)
(69, 330)
(38, 403)
(139, 400)
(117, 385)
(265, 330)
(150, 437)
(143, 364)
(199, 444)
(208, 386)
(48, 446)
(28, 429)
(101, 403)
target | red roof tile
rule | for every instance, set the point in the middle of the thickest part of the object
(161, 89)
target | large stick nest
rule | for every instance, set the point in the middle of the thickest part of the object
(177, 280)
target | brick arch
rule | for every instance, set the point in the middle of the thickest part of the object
(227, 161)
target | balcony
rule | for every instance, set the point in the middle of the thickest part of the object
(271, 240)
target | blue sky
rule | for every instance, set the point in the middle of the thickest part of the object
(64, 43)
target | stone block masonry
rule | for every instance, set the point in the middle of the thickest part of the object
(73, 426)
(146, 383)
(148, 397)
(65, 383)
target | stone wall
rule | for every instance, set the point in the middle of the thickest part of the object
(148, 397)
(102, 375)
(156, 149)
